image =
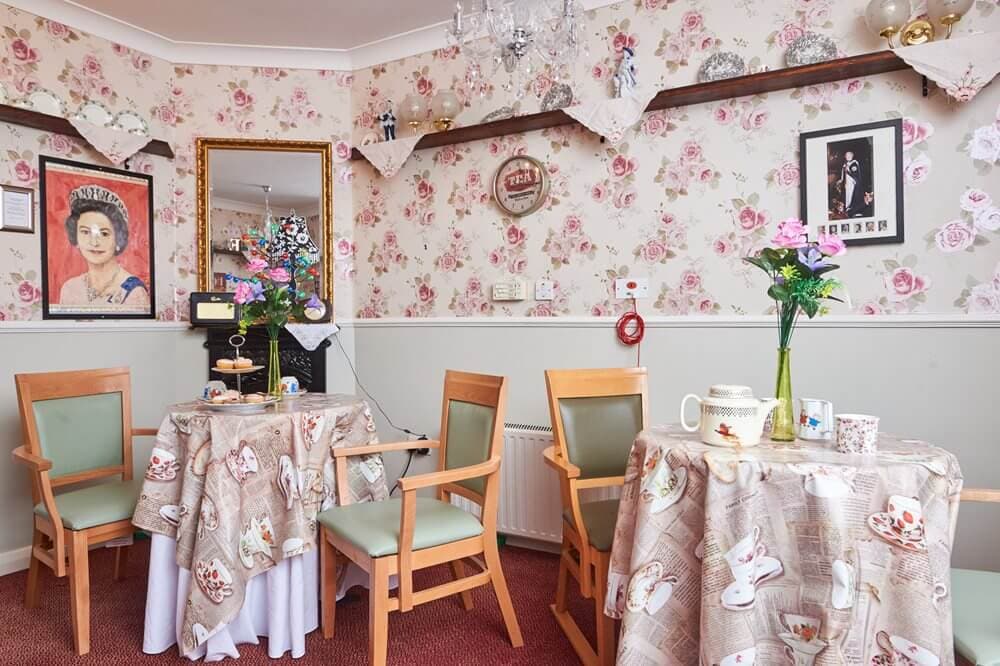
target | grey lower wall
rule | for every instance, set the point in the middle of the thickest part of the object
(933, 381)
(168, 366)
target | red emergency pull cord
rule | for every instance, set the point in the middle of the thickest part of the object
(631, 328)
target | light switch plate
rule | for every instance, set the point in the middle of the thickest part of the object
(631, 288)
(509, 290)
(545, 290)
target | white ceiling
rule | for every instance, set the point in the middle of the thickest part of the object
(310, 24)
(308, 34)
(295, 178)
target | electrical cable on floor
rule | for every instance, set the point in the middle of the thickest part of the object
(628, 337)
(419, 436)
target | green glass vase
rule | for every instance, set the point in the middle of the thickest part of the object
(783, 418)
(273, 369)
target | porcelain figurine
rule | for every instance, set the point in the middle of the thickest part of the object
(388, 121)
(625, 79)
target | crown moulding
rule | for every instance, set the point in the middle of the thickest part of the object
(868, 64)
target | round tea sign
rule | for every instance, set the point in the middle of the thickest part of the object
(521, 185)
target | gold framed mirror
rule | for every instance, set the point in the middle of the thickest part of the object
(242, 183)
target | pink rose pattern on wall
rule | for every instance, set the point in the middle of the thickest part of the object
(430, 241)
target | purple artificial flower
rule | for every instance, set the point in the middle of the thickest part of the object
(256, 291)
(811, 258)
(314, 302)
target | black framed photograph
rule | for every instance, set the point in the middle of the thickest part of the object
(852, 182)
(97, 241)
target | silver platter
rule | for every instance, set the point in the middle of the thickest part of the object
(503, 113)
(718, 66)
(559, 96)
(810, 49)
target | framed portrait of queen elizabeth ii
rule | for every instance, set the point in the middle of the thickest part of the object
(97, 241)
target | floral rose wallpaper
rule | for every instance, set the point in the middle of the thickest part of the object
(680, 200)
(688, 193)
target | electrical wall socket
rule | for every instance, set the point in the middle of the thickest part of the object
(631, 288)
(545, 290)
(509, 290)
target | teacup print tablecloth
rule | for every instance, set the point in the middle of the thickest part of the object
(784, 554)
(241, 492)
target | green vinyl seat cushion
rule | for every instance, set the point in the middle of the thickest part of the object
(599, 432)
(96, 505)
(374, 526)
(975, 619)
(599, 518)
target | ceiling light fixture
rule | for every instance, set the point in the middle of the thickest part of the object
(521, 35)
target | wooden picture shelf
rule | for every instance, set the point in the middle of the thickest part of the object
(42, 121)
(868, 64)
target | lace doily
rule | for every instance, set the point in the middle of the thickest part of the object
(611, 118)
(961, 66)
(114, 144)
(311, 336)
(388, 157)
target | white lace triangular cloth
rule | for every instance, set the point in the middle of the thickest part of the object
(611, 118)
(961, 66)
(390, 156)
(311, 336)
(114, 144)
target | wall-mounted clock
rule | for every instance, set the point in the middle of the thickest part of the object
(521, 185)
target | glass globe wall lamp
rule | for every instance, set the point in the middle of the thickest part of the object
(887, 18)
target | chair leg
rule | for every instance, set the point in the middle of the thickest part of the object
(605, 624)
(563, 580)
(458, 571)
(328, 584)
(79, 590)
(121, 562)
(503, 594)
(34, 573)
(378, 613)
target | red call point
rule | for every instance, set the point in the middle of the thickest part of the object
(631, 285)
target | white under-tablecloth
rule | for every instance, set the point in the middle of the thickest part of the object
(282, 604)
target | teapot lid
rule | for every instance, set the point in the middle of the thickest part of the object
(730, 391)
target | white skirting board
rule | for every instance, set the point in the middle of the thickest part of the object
(14, 560)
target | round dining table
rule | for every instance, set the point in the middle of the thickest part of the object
(784, 553)
(231, 499)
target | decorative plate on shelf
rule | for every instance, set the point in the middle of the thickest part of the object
(719, 66)
(810, 49)
(45, 101)
(131, 122)
(94, 113)
(503, 113)
(520, 185)
(559, 96)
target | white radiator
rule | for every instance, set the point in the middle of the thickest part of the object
(530, 505)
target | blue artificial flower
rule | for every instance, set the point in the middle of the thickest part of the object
(779, 280)
(256, 291)
(811, 258)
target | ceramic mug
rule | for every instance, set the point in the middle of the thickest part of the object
(804, 628)
(906, 514)
(213, 388)
(857, 433)
(904, 652)
(289, 385)
(815, 419)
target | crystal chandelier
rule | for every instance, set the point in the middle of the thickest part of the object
(523, 36)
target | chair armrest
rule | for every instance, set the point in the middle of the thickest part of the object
(368, 449)
(36, 463)
(980, 495)
(411, 483)
(144, 432)
(555, 460)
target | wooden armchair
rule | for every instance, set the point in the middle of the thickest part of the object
(77, 427)
(596, 415)
(399, 536)
(974, 597)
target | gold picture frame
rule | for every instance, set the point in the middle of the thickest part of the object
(323, 148)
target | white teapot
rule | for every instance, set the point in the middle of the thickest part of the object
(730, 415)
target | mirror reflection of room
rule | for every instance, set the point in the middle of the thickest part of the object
(262, 192)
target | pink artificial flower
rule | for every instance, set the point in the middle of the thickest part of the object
(831, 246)
(791, 234)
(279, 275)
(256, 265)
(243, 293)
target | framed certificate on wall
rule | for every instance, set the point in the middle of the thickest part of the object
(17, 209)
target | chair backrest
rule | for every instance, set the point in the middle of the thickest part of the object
(471, 425)
(596, 415)
(80, 420)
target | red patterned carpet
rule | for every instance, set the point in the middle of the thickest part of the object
(440, 632)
